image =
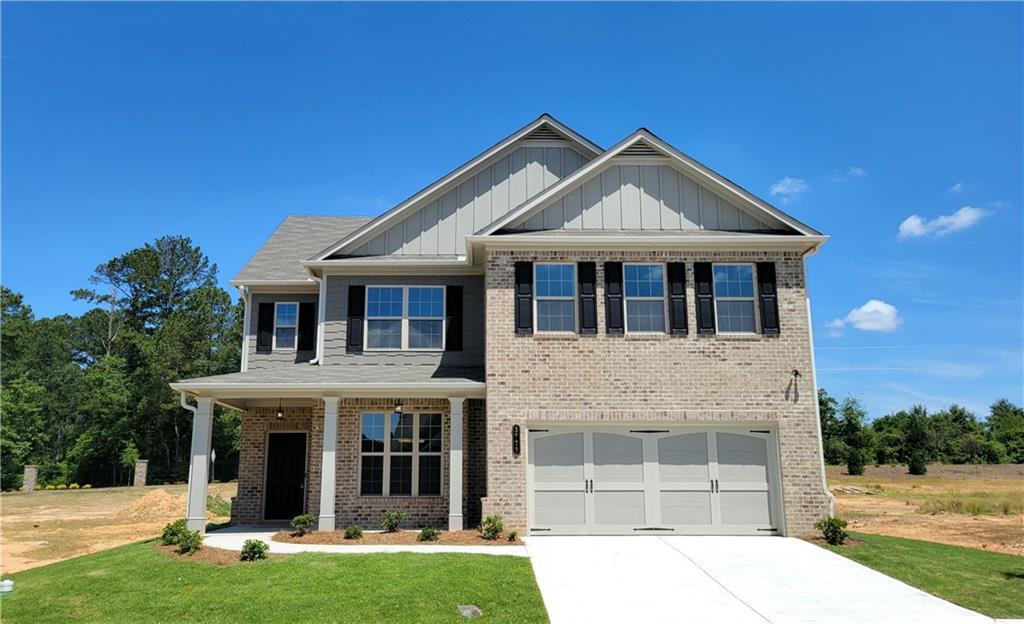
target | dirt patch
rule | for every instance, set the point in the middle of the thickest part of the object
(155, 505)
(451, 538)
(209, 555)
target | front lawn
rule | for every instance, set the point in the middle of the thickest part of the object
(137, 583)
(986, 582)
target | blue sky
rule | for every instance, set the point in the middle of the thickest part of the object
(126, 121)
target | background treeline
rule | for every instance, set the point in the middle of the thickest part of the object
(917, 438)
(83, 396)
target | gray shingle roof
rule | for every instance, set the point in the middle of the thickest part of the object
(295, 240)
(344, 374)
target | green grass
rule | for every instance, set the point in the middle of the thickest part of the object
(975, 504)
(986, 582)
(137, 583)
(218, 506)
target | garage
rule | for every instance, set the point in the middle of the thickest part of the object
(647, 479)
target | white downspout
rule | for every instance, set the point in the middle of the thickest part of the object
(817, 406)
(321, 306)
(246, 319)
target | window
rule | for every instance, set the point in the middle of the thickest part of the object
(400, 454)
(734, 298)
(556, 297)
(645, 297)
(405, 317)
(286, 319)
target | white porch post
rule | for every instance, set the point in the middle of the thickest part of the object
(199, 469)
(455, 466)
(328, 464)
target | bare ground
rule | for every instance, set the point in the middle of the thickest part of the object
(887, 501)
(44, 527)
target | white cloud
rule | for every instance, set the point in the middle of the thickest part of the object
(915, 226)
(856, 172)
(875, 315)
(789, 188)
(853, 171)
(956, 188)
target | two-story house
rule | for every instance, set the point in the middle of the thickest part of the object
(582, 340)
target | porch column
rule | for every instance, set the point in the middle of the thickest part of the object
(455, 466)
(199, 469)
(328, 464)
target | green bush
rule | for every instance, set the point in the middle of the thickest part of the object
(254, 550)
(428, 534)
(62, 487)
(917, 464)
(190, 542)
(38, 487)
(173, 532)
(491, 527)
(354, 532)
(833, 529)
(73, 486)
(87, 487)
(855, 460)
(51, 487)
(392, 520)
(513, 535)
(302, 523)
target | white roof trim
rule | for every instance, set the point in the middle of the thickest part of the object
(257, 282)
(751, 242)
(688, 164)
(391, 215)
(437, 389)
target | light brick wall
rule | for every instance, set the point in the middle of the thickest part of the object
(350, 507)
(651, 378)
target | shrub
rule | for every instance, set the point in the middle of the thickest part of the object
(62, 487)
(392, 520)
(87, 487)
(855, 460)
(51, 487)
(513, 535)
(428, 534)
(354, 532)
(254, 550)
(73, 486)
(491, 527)
(190, 542)
(917, 465)
(302, 523)
(833, 529)
(38, 487)
(173, 532)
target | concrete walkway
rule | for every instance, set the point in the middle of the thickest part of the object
(716, 580)
(232, 538)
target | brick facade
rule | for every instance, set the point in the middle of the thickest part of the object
(350, 507)
(658, 378)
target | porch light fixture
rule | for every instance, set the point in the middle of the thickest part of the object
(398, 407)
(280, 410)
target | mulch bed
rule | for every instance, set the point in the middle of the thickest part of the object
(451, 538)
(210, 555)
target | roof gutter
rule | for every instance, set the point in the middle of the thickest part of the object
(752, 242)
(438, 389)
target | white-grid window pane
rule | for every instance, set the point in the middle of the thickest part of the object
(286, 314)
(556, 315)
(645, 316)
(426, 334)
(400, 454)
(401, 475)
(430, 475)
(645, 280)
(285, 337)
(384, 334)
(426, 302)
(734, 280)
(386, 301)
(556, 280)
(735, 316)
(373, 433)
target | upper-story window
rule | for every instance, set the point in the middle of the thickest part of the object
(405, 318)
(645, 297)
(556, 297)
(734, 298)
(286, 326)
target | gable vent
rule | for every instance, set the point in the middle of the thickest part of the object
(640, 148)
(544, 133)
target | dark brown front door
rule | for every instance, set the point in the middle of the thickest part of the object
(286, 476)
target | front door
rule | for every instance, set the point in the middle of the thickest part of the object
(285, 491)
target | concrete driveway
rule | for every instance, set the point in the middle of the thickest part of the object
(722, 580)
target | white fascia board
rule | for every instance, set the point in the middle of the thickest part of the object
(255, 282)
(439, 389)
(493, 153)
(747, 242)
(374, 266)
(685, 163)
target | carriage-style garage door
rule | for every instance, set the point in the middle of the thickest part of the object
(650, 479)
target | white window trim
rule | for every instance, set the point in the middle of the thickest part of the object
(387, 454)
(273, 346)
(753, 299)
(575, 294)
(663, 298)
(405, 318)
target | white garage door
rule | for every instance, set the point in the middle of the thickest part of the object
(649, 480)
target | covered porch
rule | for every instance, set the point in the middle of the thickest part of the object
(346, 444)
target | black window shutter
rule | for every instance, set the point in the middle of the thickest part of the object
(356, 307)
(705, 297)
(586, 275)
(524, 298)
(307, 327)
(613, 298)
(768, 294)
(677, 298)
(453, 304)
(265, 328)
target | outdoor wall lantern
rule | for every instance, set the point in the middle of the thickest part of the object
(280, 410)
(398, 408)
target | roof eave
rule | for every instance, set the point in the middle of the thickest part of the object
(746, 242)
(435, 389)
